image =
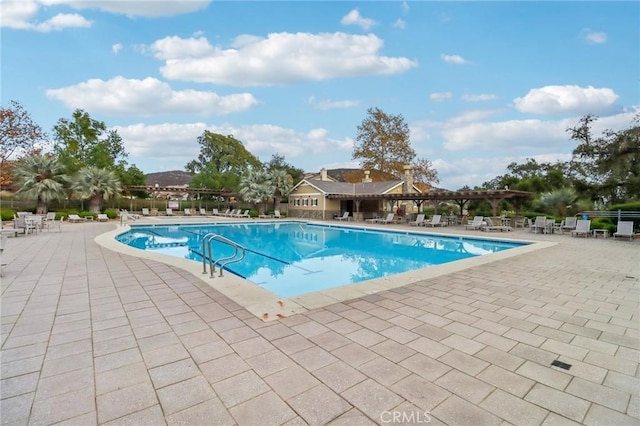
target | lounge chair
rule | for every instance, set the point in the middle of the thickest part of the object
(225, 213)
(388, 219)
(244, 214)
(102, 217)
(345, 216)
(74, 218)
(187, 212)
(145, 211)
(276, 214)
(435, 221)
(493, 227)
(169, 212)
(232, 213)
(624, 229)
(476, 223)
(202, 212)
(583, 228)
(569, 224)
(419, 220)
(215, 212)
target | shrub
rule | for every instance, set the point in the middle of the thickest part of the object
(604, 223)
(6, 214)
(632, 206)
(111, 213)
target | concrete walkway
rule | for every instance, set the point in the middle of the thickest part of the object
(92, 336)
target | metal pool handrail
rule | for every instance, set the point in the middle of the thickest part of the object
(207, 253)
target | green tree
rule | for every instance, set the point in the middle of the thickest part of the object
(132, 175)
(40, 177)
(83, 142)
(221, 162)
(559, 202)
(257, 187)
(94, 184)
(382, 143)
(607, 168)
(278, 162)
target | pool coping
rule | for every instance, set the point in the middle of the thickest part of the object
(269, 306)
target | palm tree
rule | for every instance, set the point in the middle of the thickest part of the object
(94, 183)
(282, 185)
(256, 187)
(558, 201)
(40, 177)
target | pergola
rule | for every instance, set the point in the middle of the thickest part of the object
(495, 197)
(191, 191)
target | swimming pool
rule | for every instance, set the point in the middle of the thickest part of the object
(295, 258)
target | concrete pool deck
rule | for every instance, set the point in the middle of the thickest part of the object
(95, 336)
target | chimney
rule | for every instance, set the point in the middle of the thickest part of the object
(366, 178)
(407, 186)
(323, 174)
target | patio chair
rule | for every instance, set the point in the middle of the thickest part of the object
(345, 216)
(276, 214)
(490, 226)
(169, 212)
(232, 213)
(225, 213)
(244, 214)
(145, 211)
(476, 223)
(624, 229)
(436, 220)
(569, 224)
(419, 220)
(187, 212)
(583, 228)
(215, 212)
(540, 225)
(102, 217)
(202, 211)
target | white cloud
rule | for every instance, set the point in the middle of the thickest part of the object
(440, 96)
(22, 14)
(594, 37)
(328, 104)
(143, 8)
(399, 23)
(354, 18)
(405, 7)
(179, 141)
(566, 99)
(116, 48)
(472, 116)
(147, 97)
(280, 58)
(453, 59)
(479, 98)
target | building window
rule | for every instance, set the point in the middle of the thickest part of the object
(297, 202)
(314, 202)
(305, 202)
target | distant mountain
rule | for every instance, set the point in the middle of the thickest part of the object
(174, 177)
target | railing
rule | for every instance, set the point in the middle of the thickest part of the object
(207, 253)
(618, 214)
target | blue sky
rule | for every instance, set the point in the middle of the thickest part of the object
(480, 84)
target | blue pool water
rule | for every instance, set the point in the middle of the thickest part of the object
(293, 258)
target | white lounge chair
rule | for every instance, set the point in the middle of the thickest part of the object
(624, 229)
(202, 211)
(388, 219)
(345, 216)
(476, 223)
(215, 212)
(145, 211)
(74, 218)
(435, 221)
(232, 213)
(102, 217)
(540, 225)
(493, 227)
(276, 214)
(187, 212)
(583, 228)
(244, 214)
(169, 212)
(569, 224)
(419, 220)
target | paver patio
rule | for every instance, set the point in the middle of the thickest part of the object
(93, 336)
